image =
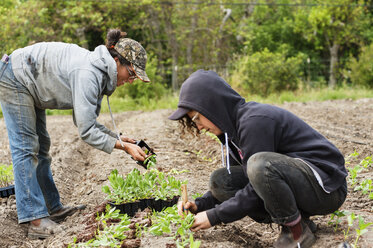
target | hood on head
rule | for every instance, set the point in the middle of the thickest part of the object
(102, 59)
(208, 94)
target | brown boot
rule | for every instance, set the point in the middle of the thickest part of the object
(291, 236)
(61, 214)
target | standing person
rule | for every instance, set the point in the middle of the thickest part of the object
(278, 168)
(55, 75)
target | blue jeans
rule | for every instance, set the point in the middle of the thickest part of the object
(286, 188)
(36, 192)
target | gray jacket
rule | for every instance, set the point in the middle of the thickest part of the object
(66, 76)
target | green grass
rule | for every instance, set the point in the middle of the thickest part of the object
(313, 95)
(170, 101)
(126, 104)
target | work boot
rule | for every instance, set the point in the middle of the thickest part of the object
(61, 214)
(289, 236)
(46, 228)
(312, 225)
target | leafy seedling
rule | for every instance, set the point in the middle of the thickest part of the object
(362, 229)
(335, 218)
(6, 175)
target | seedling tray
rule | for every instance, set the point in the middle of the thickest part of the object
(7, 191)
(132, 207)
(129, 208)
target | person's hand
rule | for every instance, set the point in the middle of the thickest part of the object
(190, 206)
(126, 139)
(132, 149)
(201, 221)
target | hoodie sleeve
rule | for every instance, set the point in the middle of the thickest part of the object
(100, 126)
(245, 202)
(207, 201)
(85, 95)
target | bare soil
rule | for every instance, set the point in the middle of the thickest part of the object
(80, 171)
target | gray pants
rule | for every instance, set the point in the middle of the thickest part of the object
(286, 188)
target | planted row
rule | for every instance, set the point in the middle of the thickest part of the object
(113, 229)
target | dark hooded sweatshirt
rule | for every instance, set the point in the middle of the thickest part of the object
(255, 127)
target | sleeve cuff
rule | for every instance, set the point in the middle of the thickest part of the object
(110, 143)
(213, 217)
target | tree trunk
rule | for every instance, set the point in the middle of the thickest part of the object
(81, 36)
(172, 43)
(190, 40)
(154, 27)
(333, 70)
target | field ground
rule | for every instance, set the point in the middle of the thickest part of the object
(80, 171)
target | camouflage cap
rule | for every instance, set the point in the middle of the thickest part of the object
(132, 51)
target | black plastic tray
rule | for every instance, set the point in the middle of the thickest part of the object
(132, 207)
(7, 191)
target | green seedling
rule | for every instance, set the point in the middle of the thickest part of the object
(367, 162)
(6, 175)
(211, 135)
(335, 218)
(350, 219)
(362, 229)
(109, 235)
(353, 174)
(365, 187)
(136, 186)
(171, 223)
(151, 161)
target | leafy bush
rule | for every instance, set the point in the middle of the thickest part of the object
(362, 68)
(265, 72)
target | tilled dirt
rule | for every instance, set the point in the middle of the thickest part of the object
(80, 171)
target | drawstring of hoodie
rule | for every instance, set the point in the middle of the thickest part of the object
(227, 155)
(112, 119)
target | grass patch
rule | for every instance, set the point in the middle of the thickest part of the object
(170, 101)
(313, 95)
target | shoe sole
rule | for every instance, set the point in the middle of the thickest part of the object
(37, 236)
(308, 242)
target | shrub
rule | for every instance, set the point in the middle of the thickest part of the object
(362, 68)
(265, 72)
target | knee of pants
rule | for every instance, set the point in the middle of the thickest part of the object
(218, 178)
(257, 167)
(218, 183)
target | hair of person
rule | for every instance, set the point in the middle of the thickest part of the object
(188, 125)
(112, 38)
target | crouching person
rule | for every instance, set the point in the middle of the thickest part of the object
(278, 169)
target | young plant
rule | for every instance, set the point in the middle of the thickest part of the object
(335, 218)
(365, 187)
(367, 162)
(350, 219)
(107, 235)
(362, 229)
(136, 186)
(6, 175)
(151, 161)
(170, 222)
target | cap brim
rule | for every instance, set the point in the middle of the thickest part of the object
(141, 74)
(178, 114)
